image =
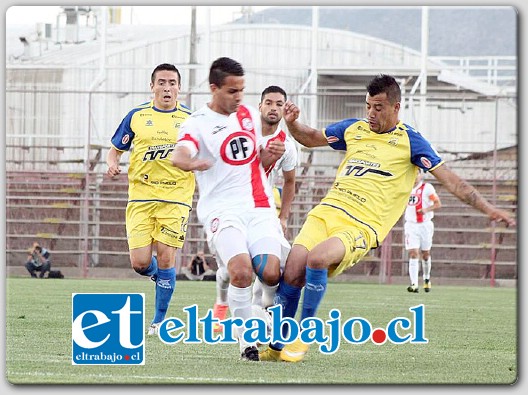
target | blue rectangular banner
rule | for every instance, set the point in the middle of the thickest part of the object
(108, 329)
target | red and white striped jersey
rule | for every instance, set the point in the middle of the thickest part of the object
(288, 160)
(422, 196)
(236, 180)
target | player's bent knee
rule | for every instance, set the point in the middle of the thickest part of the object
(138, 269)
(270, 273)
(317, 261)
(241, 277)
(414, 255)
(139, 265)
(295, 275)
(271, 278)
(295, 268)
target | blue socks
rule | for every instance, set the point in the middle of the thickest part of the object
(316, 280)
(288, 297)
(165, 284)
(165, 280)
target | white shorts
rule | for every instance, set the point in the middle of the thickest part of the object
(419, 235)
(254, 232)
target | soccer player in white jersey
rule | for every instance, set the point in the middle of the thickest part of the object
(419, 230)
(271, 103)
(219, 142)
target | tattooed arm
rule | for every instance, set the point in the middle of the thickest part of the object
(469, 195)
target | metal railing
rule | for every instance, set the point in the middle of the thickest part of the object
(81, 218)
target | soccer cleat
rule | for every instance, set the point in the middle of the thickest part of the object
(270, 355)
(219, 312)
(250, 354)
(427, 285)
(294, 352)
(153, 329)
(413, 288)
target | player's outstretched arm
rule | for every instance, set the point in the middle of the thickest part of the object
(181, 158)
(304, 134)
(468, 194)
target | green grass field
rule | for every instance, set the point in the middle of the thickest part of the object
(472, 336)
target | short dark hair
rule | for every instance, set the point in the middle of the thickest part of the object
(168, 67)
(222, 68)
(38, 248)
(384, 83)
(273, 89)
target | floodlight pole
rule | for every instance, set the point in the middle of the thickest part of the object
(192, 58)
(85, 213)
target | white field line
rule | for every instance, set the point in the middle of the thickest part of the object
(162, 379)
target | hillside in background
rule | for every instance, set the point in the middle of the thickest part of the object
(474, 31)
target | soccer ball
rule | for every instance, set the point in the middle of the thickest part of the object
(263, 314)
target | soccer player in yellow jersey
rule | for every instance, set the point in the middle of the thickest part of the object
(159, 194)
(368, 196)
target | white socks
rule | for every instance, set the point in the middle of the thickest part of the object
(426, 268)
(267, 293)
(222, 284)
(239, 300)
(414, 267)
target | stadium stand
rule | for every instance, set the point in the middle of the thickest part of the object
(84, 228)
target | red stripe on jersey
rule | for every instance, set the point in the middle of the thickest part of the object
(259, 193)
(257, 186)
(188, 137)
(281, 137)
(419, 193)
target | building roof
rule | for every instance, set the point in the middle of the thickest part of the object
(346, 59)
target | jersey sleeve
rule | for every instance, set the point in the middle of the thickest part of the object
(430, 192)
(189, 137)
(123, 136)
(335, 133)
(290, 156)
(423, 154)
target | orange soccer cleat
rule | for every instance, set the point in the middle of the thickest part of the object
(219, 312)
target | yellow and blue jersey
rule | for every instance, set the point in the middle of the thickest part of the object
(150, 134)
(377, 174)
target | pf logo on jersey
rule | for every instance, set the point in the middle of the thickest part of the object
(414, 200)
(238, 148)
